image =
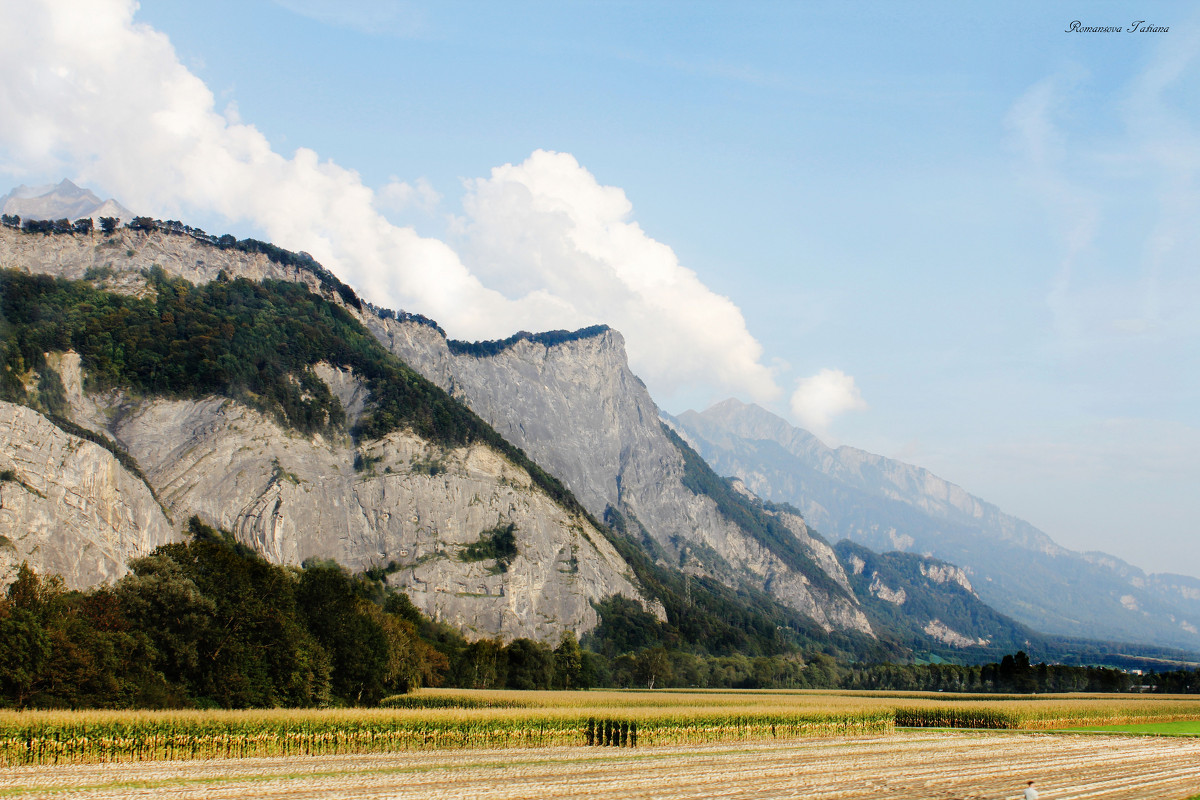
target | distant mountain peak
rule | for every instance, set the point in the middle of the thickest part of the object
(64, 199)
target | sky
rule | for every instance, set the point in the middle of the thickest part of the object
(957, 234)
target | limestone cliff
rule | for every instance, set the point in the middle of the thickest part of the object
(68, 506)
(413, 509)
(573, 404)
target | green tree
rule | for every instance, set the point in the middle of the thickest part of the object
(530, 665)
(483, 664)
(24, 643)
(568, 662)
(159, 599)
(341, 621)
(653, 667)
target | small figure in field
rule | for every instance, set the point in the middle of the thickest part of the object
(1030, 792)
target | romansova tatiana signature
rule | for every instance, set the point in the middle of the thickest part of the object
(1137, 26)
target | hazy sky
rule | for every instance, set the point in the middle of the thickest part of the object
(952, 233)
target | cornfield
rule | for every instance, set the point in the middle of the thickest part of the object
(66, 737)
(445, 719)
(1050, 714)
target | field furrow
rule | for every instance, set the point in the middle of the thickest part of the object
(981, 766)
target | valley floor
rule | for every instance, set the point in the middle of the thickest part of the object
(902, 765)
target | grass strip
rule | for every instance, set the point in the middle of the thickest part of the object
(1175, 728)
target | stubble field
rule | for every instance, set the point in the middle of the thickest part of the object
(902, 765)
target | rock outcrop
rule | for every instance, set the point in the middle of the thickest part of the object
(116, 262)
(929, 605)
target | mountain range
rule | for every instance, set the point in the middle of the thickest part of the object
(886, 504)
(520, 487)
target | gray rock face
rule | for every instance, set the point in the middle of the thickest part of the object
(888, 505)
(68, 506)
(577, 409)
(117, 261)
(414, 510)
(72, 509)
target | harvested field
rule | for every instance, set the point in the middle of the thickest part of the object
(904, 765)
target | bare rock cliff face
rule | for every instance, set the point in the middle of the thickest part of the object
(67, 506)
(414, 510)
(577, 409)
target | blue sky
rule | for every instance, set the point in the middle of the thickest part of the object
(951, 233)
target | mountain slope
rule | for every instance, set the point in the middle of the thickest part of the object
(930, 606)
(571, 402)
(885, 504)
(236, 401)
(298, 456)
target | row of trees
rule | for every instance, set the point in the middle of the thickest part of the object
(1016, 674)
(47, 226)
(210, 623)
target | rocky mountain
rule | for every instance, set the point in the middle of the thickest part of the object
(112, 439)
(62, 201)
(888, 505)
(931, 606)
(570, 401)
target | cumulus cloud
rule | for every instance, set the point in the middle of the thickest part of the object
(821, 397)
(91, 94)
(548, 225)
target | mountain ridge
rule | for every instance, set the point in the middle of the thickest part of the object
(886, 504)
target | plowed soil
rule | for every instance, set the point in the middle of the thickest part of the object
(904, 765)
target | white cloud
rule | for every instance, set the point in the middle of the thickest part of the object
(548, 225)
(400, 195)
(821, 397)
(92, 95)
